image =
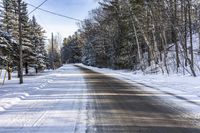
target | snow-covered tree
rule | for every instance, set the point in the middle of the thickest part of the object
(29, 55)
(71, 50)
(8, 32)
(4, 47)
(32, 36)
(38, 41)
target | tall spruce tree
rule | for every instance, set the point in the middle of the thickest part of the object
(9, 26)
(32, 36)
(29, 55)
(71, 50)
(38, 41)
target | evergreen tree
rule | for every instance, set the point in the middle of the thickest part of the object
(33, 40)
(71, 50)
(6, 42)
(137, 34)
(9, 30)
(29, 55)
(38, 41)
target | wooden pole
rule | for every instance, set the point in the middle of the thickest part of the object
(20, 44)
(52, 41)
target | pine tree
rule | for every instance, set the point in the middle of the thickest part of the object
(3, 41)
(9, 27)
(5, 47)
(71, 50)
(29, 55)
(38, 41)
(33, 47)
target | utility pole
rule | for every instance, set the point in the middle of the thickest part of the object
(52, 41)
(20, 44)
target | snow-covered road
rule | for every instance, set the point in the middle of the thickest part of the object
(74, 99)
(55, 108)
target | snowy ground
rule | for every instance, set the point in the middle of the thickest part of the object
(184, 91)
(42, 104)
(11, 92)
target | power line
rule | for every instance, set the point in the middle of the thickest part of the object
(38, 6)
(54, 13)
(57, 14)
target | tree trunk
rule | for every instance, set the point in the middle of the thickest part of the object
(136, 38)
(150, 49)
(26, 68)
(191, 44)
(174, 33)
(156, 51)
(36, 70)
(9, 72)
(198, 25)
(163, 36)
(185, 36)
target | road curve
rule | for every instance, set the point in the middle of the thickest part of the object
(115, 106)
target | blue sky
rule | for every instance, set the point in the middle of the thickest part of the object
(73, 8)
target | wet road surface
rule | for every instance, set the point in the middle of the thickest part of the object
(115, 106)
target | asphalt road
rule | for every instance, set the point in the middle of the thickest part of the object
(78, 100)
(115, 106)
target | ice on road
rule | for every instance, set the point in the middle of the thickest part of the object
(78, 100)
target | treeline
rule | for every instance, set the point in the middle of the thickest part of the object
(142, 34)
(71, 50)
(32, 37)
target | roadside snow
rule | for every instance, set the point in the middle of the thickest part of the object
(12, 92)
(53, 103)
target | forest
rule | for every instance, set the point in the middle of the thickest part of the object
(17, 28)
(159, 36)
(146, 35)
